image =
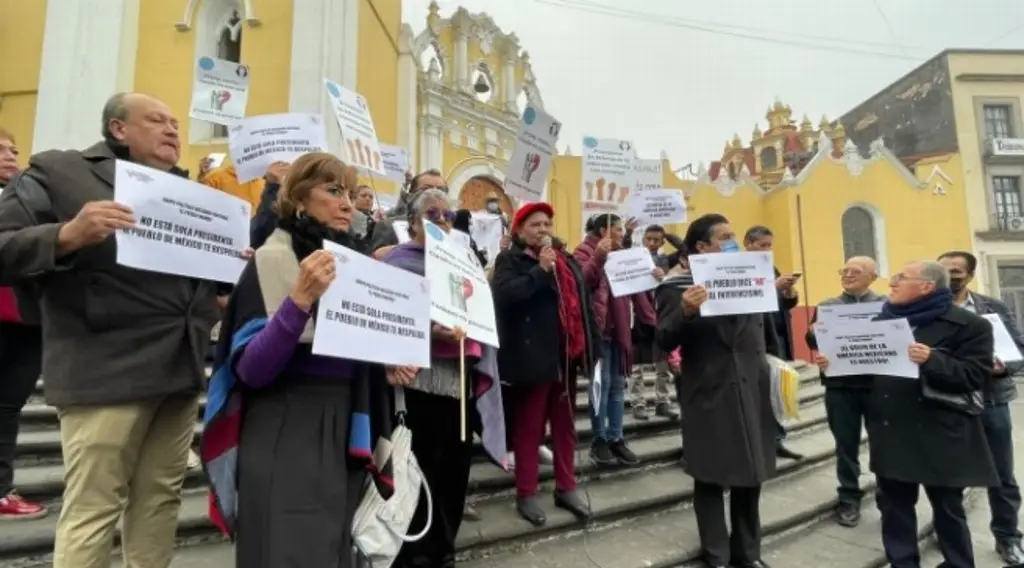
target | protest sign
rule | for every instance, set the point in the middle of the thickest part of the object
(629, 271)
(1005, 348)
(258, 141)
(736, 282)
(859, 347)
(607, 175)
(384, 201)
(647, 175)
(657, 206)
(833, 314)
(396, 162)
(527, 170)
(216, 159)
(182, 227)
(373, 312)
(487, 229)
(362, 149)
(220, 91)
(460, 296)
(401, 228)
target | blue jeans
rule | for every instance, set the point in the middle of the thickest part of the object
(607, 425)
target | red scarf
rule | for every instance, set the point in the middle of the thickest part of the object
(570, 311)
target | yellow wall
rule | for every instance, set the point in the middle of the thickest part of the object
(166, 61)
(377, 76)
(918, 224)
(22, 24)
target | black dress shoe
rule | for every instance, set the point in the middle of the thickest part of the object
(754, 564)
(571, 501)
(529, 509)
(786, 453)
(1010, 552)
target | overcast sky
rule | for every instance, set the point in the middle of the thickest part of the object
(685, 75)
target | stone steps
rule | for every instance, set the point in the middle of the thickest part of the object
(618, 494)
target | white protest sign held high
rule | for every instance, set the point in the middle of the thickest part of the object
(362, 149)
(607, 175)
(460, 295)
(527, 171)
(736, 282)
(1006, 349)
(220, 91)
(832, 314)
(657, 206)
(182, 227)
(647, 175)
(859, 347)
(396, 162)
(373, 312)
(258, 141)
(629, 271)
(486, 229)
(401, 228)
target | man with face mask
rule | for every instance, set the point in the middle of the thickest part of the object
(727, 420)
(1004, 500)
(846, 398)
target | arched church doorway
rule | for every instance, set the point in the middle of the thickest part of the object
(475, 192)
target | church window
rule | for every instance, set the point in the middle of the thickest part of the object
(769, 159)
(860, 237)
(229, 48)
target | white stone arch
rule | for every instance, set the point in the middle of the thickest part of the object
(879, 234)
(245, 9)
(214, 18)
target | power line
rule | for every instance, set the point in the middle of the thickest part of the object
(1009, 33)
(888, 26)
(669, 21)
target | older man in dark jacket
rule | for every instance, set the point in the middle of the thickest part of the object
(1004, 500)
(728, 423)
(928, 432)
(123, 349)
(846, 398)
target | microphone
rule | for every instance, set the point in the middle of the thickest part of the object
(545, 241)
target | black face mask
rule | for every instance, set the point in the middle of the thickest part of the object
(956, 284)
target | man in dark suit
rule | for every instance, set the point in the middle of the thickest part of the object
(760, 238)
(123, 349)
(1004, 500)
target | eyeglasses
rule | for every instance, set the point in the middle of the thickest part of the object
(850, 272)
(439, 215)
(900, 277)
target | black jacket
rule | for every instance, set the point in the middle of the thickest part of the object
(526, 309)
(917, 441)
(782, 321)
(855, 381)
(265, 220)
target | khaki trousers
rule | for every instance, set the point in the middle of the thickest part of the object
(123, 461)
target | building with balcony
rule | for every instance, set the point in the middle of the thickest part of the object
(968, 103)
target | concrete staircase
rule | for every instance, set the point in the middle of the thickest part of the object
(642, 513)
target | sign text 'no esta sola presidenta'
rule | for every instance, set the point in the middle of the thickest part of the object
(527, 170)
(220, 91)
(359, 137)
(258, 141)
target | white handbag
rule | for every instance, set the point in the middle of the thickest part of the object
(380, 526)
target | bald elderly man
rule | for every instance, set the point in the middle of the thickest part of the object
(846, 398)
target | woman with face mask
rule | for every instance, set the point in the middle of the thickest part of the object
(725, 398)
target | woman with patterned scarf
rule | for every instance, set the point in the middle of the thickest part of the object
(548, 336)
(287, 442)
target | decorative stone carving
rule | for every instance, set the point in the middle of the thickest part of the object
(824, 144)
(245, 9)
(852, 158)
(877, 148)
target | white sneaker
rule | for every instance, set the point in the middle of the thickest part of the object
(193, 460)
(547, 457)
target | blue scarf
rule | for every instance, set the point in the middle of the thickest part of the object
(922, 311)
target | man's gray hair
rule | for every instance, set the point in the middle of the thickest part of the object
(935, 273)
(420, 200)
(113, 109)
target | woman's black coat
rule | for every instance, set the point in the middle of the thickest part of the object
(526, 310)
(915, 440)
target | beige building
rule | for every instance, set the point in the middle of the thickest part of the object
(968, 102)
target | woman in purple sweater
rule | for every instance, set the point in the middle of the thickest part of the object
(290, 431)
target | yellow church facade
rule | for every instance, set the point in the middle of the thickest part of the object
(452, 95)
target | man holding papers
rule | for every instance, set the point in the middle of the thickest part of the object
(1004, 500)
(927, 431)
(846, 398)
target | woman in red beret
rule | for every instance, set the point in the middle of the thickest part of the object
(547, 333)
